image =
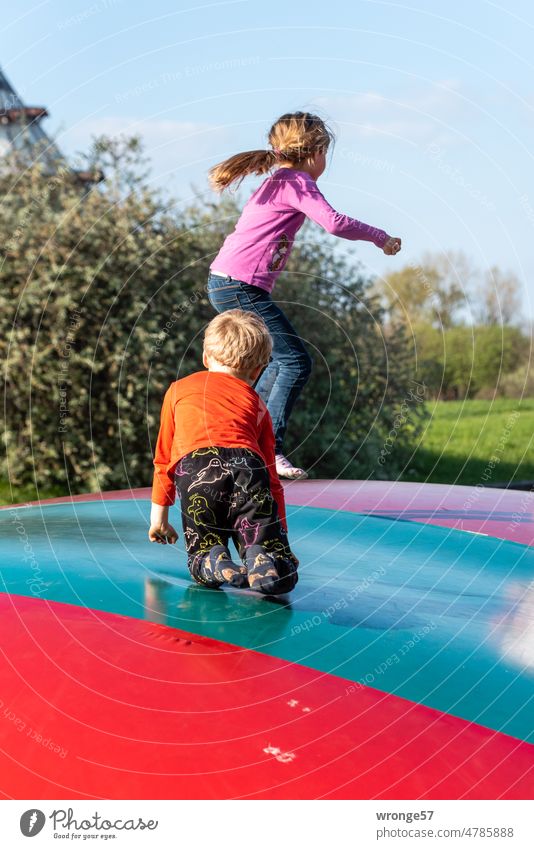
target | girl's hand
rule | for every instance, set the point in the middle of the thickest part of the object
(392, 246)
(163, 533)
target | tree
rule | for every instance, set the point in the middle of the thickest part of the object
(103, 304)
(499, 298)
(446, 289)
(362, 376)
(460, 362)
(97, 292)
(435, 290)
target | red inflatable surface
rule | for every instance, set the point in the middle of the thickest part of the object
(95, 705)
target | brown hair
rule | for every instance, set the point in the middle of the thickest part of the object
(239, 340)
(294, 137)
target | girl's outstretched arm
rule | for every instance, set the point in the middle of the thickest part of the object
(306, 197)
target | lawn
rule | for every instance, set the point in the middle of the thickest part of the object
(20, 494)
(465, 442)
(470, 442)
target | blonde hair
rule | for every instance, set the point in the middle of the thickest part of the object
(294, 137)
(239, 340)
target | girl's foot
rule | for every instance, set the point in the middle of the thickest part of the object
(286, 469)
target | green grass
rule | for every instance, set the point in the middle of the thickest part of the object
(20, 494)
(470, 442)
(461, 441)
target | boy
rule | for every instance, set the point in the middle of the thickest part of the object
(216, 439)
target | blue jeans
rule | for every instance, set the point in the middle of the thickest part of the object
(284, 378)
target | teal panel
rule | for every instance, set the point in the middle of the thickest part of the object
(435, 615)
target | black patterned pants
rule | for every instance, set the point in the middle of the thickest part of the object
(225, 494)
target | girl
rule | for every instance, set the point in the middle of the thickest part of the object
(243, 273)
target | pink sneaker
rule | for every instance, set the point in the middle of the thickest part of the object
(286, 469)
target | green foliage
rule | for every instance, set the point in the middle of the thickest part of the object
(362, 380)
(464, 324)
(515, 384)
(103, 304)
(434, 291)
(462, 361)
(361, 376)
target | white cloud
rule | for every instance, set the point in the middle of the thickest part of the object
(179, 149)
(419, 115)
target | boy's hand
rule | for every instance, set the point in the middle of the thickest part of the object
(392, 246)
(160, 529)
(163, 533)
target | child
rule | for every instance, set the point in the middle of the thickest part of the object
(216, 440)
(244, 271)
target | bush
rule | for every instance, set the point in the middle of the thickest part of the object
(103, 304)
(464, 361)
(363, 381)
(516, 384)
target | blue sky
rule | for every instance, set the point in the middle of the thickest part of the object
(432, 103)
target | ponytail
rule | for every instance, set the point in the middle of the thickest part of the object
(237, 167)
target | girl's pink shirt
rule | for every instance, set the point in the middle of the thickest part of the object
(258, 249)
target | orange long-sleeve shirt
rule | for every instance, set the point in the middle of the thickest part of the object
(212, 408)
